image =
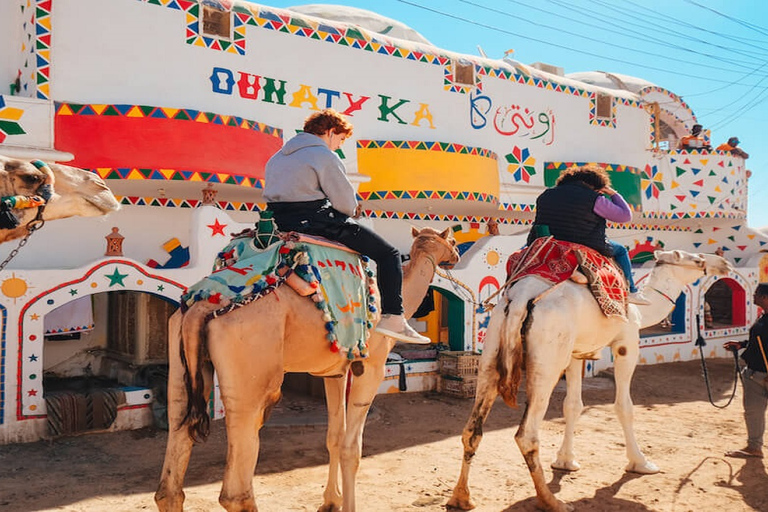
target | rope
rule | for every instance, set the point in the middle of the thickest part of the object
(701, 344)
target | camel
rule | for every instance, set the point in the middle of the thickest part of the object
(553, 334)
(251, 348)
(75, 193)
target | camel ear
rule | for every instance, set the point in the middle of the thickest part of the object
(656, 255)
(678, 255)
(414, 232)
(446, 233)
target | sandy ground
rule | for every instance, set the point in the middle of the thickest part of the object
(412, 456)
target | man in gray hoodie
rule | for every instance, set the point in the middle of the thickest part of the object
(307, 189)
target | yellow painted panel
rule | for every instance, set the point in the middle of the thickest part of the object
(410, 169)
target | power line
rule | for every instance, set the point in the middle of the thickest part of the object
(571, 49)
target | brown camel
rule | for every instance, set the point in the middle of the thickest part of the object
(251, 348)
(75, 193)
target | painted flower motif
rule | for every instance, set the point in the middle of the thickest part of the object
(9, 118)
(521, 164)
(652, 182)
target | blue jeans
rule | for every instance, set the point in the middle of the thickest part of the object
(621, 256)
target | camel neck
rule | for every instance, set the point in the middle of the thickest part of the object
(662, 289)
(416, 278)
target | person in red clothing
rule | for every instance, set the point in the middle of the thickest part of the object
(731, 147)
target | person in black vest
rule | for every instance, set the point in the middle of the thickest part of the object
(576, 210)
(754, 378)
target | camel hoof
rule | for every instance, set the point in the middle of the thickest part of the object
(557, 506)
(644, 468)
(329, 507)
(456, 503)
(566, 465)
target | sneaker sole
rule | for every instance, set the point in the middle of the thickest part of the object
(398, 336)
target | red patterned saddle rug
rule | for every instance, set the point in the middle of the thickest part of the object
(556, 260)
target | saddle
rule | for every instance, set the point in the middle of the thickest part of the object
(556, 261)
(258, 261)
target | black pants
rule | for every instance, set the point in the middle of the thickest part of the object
(321, 219)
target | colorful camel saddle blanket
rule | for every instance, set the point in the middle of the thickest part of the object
(338, 281)
(556, 260)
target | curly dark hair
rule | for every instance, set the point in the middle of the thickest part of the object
(327, 119)
(591, 175)
(762, 289)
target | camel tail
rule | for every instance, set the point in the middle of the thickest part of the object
(196, 417)
(509, 362)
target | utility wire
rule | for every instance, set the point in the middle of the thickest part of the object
(563, 47)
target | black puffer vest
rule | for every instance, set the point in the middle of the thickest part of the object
(568, 212)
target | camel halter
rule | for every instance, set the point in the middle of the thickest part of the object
(45, 192)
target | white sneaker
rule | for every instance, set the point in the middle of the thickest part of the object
(396, 327)
(637, 298)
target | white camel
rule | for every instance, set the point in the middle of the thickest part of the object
(251, 348)
(553, 335)
(75, 193)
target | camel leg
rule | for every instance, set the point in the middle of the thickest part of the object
(541, 380)
(572, 408)
(625, 353)
(335, 388)
(170, 494)
(487, 391)
(247, 393)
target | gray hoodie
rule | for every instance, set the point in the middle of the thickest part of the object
(305, 169)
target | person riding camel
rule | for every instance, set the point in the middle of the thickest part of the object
(307, 189)
(576, 210)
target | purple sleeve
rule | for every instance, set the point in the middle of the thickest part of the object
(616, 209)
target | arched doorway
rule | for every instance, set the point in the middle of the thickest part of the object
(725, 305)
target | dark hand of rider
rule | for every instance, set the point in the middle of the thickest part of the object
(732, 345)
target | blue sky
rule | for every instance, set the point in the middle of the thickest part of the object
(712, 53)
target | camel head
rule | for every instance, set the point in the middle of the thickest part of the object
(439, 245)
(698, 264)
(75, 192)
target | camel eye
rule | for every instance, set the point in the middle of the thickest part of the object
(32, 179)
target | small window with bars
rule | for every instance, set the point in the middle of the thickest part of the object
(217, 22)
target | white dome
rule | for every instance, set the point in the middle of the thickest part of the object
(368, 20)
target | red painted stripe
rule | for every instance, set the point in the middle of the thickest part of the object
(153, 143)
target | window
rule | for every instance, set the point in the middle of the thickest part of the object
(217, 22)
(463, 72)
(604, 106)
(724, 305)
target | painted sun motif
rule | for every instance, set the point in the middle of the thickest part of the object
(14, 287)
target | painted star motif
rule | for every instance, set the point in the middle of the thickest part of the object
(217, 228)
(34, 316)
(116, 278)
(73, 292)
(160, 288)
(32, 392)
(32, 358)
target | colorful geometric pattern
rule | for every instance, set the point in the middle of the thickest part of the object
(9, 121)
(186, 203)
(427, 194)
(601, 121)
(42, 53)
(111, 173)
(521, 164)
(421, 145)
(105, 276)
(652, 181)
(677, 101)
(195, 36)
(451, 86)
(179, 114)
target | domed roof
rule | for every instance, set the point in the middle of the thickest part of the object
(366, 19)
(612, 80)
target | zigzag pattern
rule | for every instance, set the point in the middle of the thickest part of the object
(128, 173)
(600, 121)
(420, 145)
(43, 48)
(427, 194)
(167, 202)
(561, 166)
(181, 114)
